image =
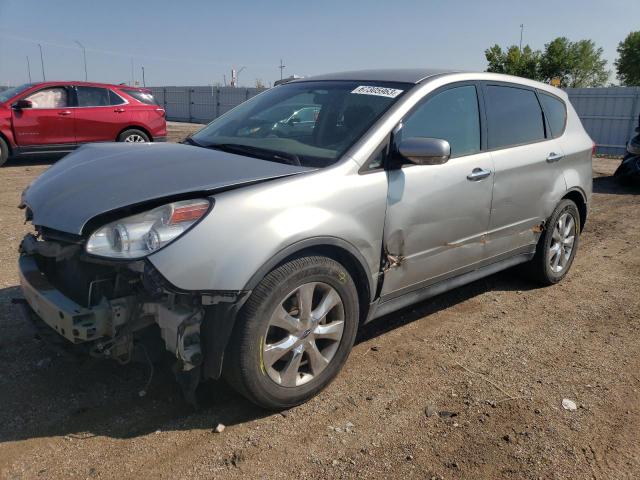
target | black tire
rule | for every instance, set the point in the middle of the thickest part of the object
(132, 133)
(4, 151)
(244, 367)
(540, 268)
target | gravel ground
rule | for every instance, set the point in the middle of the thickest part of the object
(467, 385)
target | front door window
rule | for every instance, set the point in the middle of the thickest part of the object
(55, 97)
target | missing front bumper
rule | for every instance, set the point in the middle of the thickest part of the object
(73, 321)
(110, 324)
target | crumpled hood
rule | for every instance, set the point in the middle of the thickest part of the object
(101, 177)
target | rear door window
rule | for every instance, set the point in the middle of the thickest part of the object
(451, 115)
(141, 96)
(93, 97)
(556, 113)
(514, 117)
(54, 97)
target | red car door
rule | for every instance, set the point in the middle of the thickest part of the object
(49, 120)
(100, 115)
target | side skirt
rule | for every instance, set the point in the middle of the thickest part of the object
(383, 308)
(44, 149)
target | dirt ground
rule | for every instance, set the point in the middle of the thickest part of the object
(467, 385)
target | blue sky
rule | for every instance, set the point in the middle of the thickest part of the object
(196, 42)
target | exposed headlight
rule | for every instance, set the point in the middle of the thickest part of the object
(139, 235)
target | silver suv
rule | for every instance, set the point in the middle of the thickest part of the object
(255, 253)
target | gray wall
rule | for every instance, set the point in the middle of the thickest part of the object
(200, 104)
(609, 115)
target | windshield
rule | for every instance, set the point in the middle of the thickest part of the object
(12, 92)
(311, 122)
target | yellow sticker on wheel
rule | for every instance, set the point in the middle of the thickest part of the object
(264, 371)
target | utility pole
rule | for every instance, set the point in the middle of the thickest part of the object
(144, 83)
(234, 76)
(238, 73)
(281, 67)
(132, 79)
(29, 68)
(44, 79)
(84, 56)
(521, 29)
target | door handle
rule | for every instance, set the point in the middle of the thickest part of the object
(478, 174)
(64, 113)
(554, 157)
(118, 110)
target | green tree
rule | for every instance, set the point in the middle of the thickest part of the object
(628, 62)
(523, 63)
(577, 64)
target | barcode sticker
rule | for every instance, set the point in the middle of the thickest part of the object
(379, 91)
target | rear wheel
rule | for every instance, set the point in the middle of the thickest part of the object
(133, 136)
(4, 151)
(558, 245)
(294, 334)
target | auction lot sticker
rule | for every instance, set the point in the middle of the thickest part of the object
(379, 91)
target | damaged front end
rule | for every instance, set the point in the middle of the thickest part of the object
(104, 306)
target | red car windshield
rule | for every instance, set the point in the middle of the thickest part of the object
(12, 92)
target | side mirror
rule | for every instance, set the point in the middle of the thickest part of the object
(424, 151)
(20, 104)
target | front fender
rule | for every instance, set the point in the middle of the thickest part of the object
(252, 227)
(6, 129)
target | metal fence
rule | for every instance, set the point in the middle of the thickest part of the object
(200, 104)
(609, 115)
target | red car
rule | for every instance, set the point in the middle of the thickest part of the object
(52, 117)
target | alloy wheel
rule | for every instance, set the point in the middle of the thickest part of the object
(134, 138)
(303, 334)
(562, 241)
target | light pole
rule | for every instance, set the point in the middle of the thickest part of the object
(84, 56)
(44, 79)
(144, 83)
(521, 29)
(29, 68)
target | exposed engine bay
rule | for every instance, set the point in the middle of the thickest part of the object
(104, 305)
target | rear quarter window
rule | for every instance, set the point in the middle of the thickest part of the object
(141, 96)
(116, 99)
(556, 113)
(514, 116)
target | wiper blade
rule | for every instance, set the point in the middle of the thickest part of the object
(263, 153)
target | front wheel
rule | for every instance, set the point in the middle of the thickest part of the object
(558, 245)
(4, 151)
(294, 333)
